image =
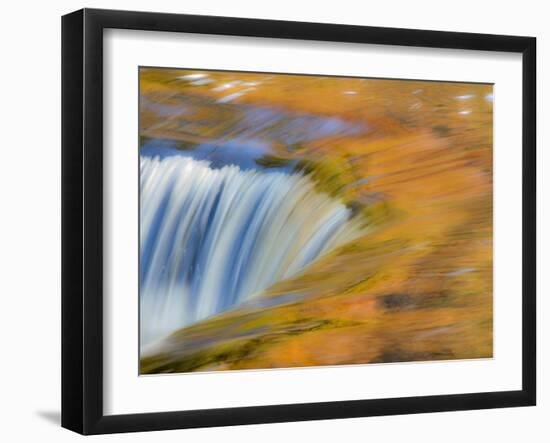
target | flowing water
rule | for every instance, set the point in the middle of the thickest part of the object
(232, 276)
(214, 238)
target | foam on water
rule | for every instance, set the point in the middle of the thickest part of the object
(211, 239)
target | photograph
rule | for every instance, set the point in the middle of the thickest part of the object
(293, 220)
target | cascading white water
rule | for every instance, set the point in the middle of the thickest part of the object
(213, 238)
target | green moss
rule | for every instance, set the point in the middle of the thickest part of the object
(272, 161)
(441, 130)
(328, 176)
(231, 352)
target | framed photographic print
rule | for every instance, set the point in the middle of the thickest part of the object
(270, 221)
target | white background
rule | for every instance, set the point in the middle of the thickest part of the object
(30, 234)
(127, 393)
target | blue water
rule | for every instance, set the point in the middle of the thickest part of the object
(293, 128)
(216, 227)
(242, 154)
(214, 238)
(241, 134)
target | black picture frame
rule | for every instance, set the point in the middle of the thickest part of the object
(82, 221)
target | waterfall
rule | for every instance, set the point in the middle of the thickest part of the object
(213, 238)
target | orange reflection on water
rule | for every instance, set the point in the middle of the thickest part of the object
(416, 163)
